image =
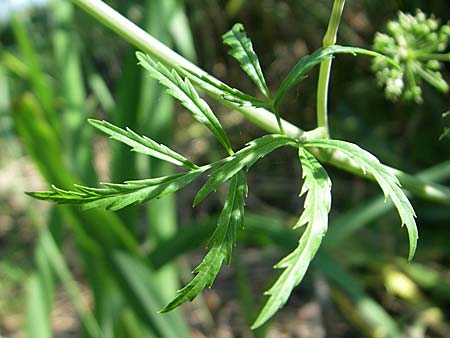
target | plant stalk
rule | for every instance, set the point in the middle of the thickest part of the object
(148, 44)
(261, 117)
(325, 67)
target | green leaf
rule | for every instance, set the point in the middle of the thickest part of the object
(387, 181)
(142, 144)
(245, 157)
(118, 196)
(242, 50)
(142, 292)
(317, 185)
(298, 73)
(221, 243)
(37, 316)
(221, 90)
(187, 95)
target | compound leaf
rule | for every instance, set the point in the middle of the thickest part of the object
(242, 50)
(117, 196)
(142, 144)
(187, 95)
(245, 157)
(306, 63)
(317, 186)
(387, 181)
(220, 245)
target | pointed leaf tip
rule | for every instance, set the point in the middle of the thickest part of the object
(186, 94)
(241, 49)
(315, 214)
(387, 181)
(220, 244)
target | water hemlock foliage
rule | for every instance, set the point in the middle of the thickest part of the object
(316, 185)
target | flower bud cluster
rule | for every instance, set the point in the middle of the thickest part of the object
(418, 44)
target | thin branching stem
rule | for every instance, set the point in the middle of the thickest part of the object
(325, 67)
(148, 44)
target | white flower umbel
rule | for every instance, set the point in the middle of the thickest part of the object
(418, 43)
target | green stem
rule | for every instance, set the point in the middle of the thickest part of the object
(433, 56)
(325, 67)
(418, 186)
(280, 124)
(56, 260)
(322, 93)
(148, 44)
(73, 115)
(261, 117)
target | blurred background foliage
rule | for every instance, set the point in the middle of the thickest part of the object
(67, 273)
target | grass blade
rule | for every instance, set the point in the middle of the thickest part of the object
(61, 270)
(71, 87)
(137, 280)
(43, 146)
(37, 321)
(40, 83)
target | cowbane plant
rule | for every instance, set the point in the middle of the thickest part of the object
(181, 81)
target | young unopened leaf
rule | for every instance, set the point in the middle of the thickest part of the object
(220, 245)
(245, 157)
(387, 181)
(142, 144)
(118, 196)
(317, 186)
(187, 95)
(308, 62)
(242, 50)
